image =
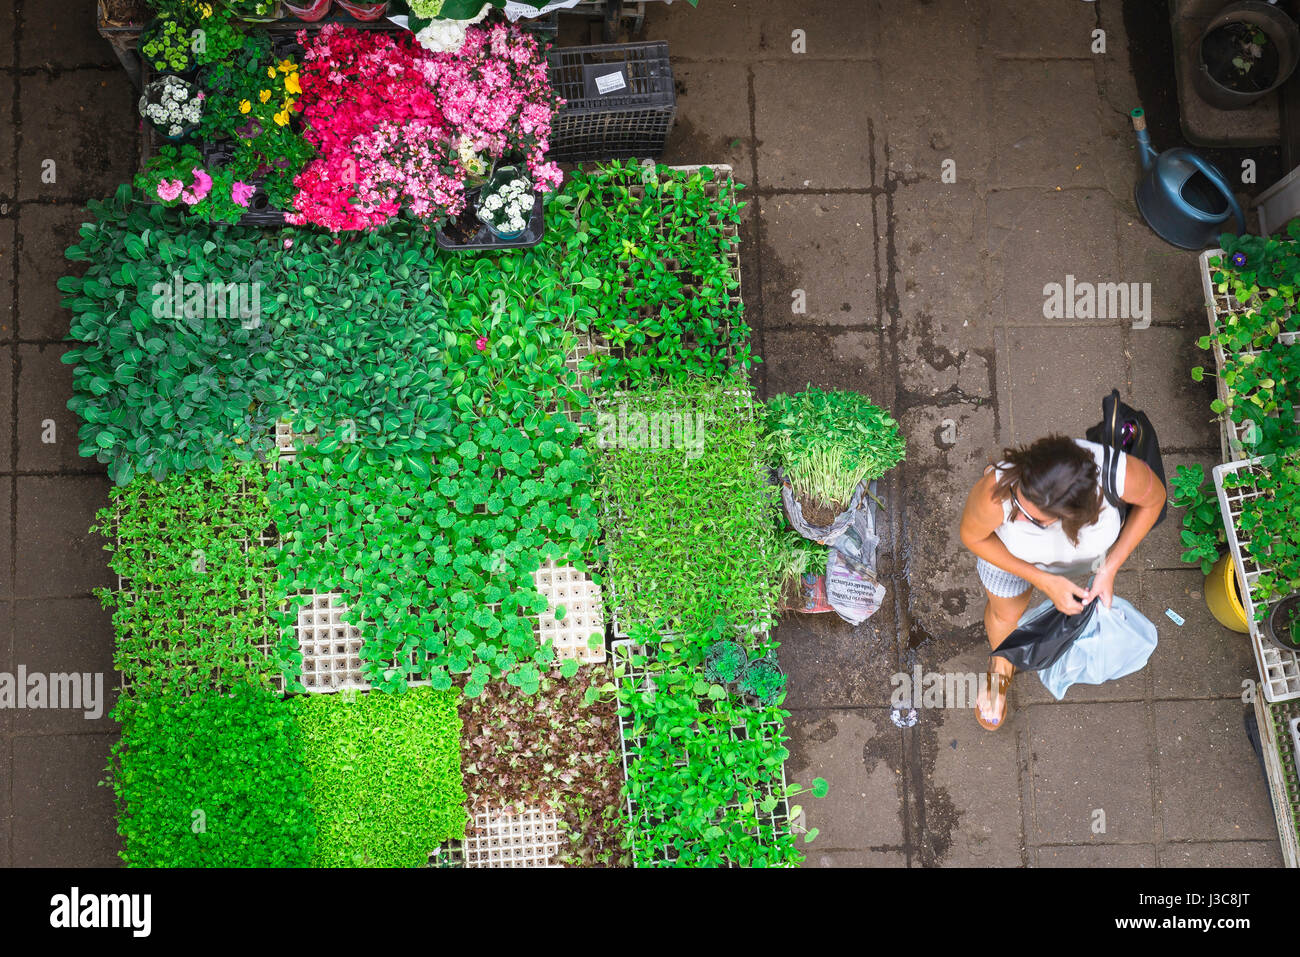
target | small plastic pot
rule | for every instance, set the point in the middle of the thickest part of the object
(498, 175)
(766, 665)
(186, 131)
(152, 28)
(309, 11)
(364, 11)
(1278, 627)
(715, 655)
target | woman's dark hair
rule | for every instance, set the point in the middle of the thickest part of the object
(1058, 476)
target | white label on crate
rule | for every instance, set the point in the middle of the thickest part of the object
(610, 82)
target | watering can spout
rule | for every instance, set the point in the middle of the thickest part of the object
(1146, 153)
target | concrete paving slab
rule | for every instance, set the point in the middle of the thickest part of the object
(68, 636)
(1211, 784)
(6, 409)
(47, 233)
(1041, 28)
(8, 273)
(871, 858)
(818, 261)
(712, 31)
(832, 664)
(8, 178)
(47, 428)
(1036, 237)
(58, 556)
(86, 122)
(859, 753)
(942, 265)
(712, 123)
(843, 360)
(1176, 295)
(6, 561)
(1060, 376)
(1085, 759)
(978, 773)
(1163, 359)
(1048, 122)
(62, 35)
(826, 147)
(6, 803)
(1200, 659)
(7, 25)
(6, 654)
(1222, 854)
(62, 817)
(1163, 547)
(837, 30)
(1097, 855)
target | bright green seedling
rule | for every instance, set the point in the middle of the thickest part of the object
(1267, 523)
(827, 443)
(1203, 535)
(725, 661)
(199, 587)
(385, 775)
(212, 780)
(762, 679)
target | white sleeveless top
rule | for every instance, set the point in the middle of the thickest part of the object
(1048, 548)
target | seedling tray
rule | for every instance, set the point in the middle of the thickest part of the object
(1279, 670)
(778, 818)
(331, 647)
(506, 838)
(1218, 306)
(1276, 725)
(584, 613)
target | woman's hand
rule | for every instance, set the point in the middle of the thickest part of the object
(1103, 586)
(1068, 597)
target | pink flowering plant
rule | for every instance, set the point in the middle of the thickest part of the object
(178, 177)
(399, 130)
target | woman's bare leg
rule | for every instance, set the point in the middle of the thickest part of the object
(1000, 617)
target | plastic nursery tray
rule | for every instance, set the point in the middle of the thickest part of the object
(1219, 305)
(584, 613)
(1279, 727)
(260, 211)
(483, 238)
(505, 838)
(1279, 670)
(777, 819)
(331, 647)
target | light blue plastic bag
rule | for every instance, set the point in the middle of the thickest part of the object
(1117, 642)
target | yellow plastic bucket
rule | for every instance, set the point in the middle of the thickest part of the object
(1223, 597)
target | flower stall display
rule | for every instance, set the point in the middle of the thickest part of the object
(252, 104)
(178, 178)
(506, 203)
(173, 105)
(392, 122)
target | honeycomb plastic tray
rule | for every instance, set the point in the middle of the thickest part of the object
(584, 613)
(504, 838)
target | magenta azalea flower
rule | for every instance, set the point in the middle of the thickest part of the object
(241, 193)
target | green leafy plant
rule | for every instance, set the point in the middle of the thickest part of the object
(436, 559)
(385, 775)
(667, 302)
(725, 662)
(551, 751)
(1270, 514)
(762, 679)
(166, 47)
(827, 443)
(358, 340)
(704, 773)
(1203, 534)
(211, 780)
(688, 523)
(221, 36)
(195, 612)
(173, 175)
(168, 375)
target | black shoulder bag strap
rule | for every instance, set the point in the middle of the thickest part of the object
(1110, 449)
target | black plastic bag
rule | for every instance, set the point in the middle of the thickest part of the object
(1045, 635)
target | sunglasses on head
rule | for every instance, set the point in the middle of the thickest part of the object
(1016, 507)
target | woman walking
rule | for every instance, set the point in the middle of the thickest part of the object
(1038, 517)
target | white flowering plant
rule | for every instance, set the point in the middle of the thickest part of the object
(173, 105)
(506, 203)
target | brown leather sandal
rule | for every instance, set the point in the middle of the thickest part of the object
(998, 684)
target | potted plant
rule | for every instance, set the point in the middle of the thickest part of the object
(166, 45)
(505, 204)
(308, 11)
(178, 177)
(1283, 626)
(763, 680)
(1203, 538)
(1249, 49)
(827, 445)
(255, 11)
(365, 11)
(173, 105)
(725, 662)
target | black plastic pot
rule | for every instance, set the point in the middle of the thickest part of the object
(467, 234)
(714, 655)
(1218, 82)
(151, 28)
(1277, 628)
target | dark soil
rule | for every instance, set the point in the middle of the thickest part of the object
(814, 513)
(122, 12)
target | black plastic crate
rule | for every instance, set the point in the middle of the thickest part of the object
(260, 211)
(619, 101)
